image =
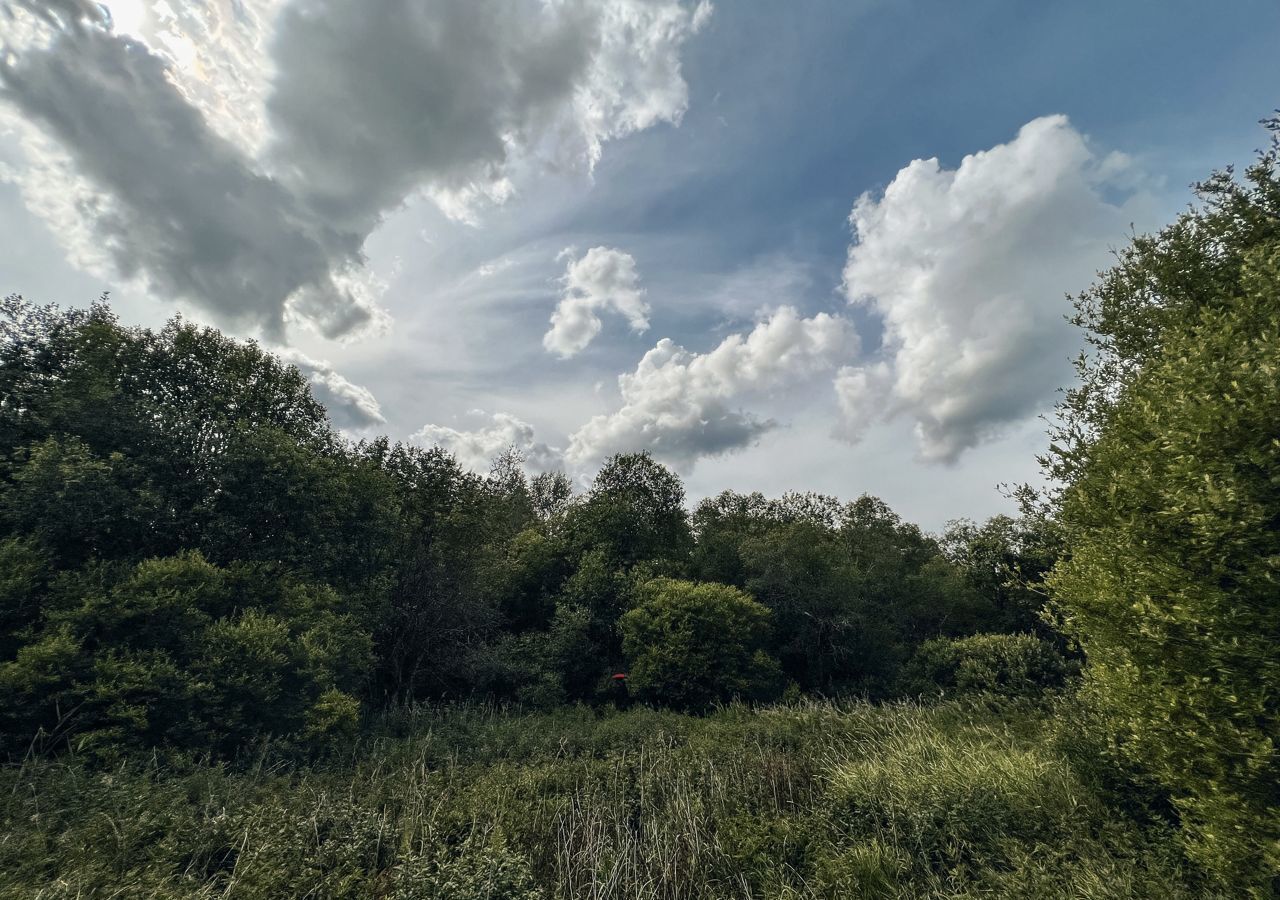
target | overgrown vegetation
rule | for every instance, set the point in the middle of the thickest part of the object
(1170, 454)
(241, 656)
(806, 800)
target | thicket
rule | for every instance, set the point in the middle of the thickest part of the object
(1168, 457)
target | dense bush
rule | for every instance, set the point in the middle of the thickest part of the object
(1172, 520)
(180, 653)
(691, 645)
(1010, 665)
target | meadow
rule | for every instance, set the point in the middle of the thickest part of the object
(973, 798)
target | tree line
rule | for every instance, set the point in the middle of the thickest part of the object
(194, 557)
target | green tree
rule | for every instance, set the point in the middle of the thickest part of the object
(1170, 511)
(1005, 560)
(1006, 664)
(178, 652)
(634, 512)
(692, 645)
(24, 572)
(852, 587)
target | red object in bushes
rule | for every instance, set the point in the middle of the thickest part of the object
(621, 676)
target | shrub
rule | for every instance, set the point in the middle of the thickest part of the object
(1006, 664)
(692, 645)
(23, 569)
(181, 653)
(1170, 585)
(1168, 463)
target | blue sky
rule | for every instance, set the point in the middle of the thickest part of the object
(416, 214)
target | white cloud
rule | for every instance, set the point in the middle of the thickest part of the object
(682, 405)
(477, 448)
(350, 406)
(604, 278)
(969, 269)
(862, 392)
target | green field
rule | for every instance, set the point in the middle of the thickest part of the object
(807, 800)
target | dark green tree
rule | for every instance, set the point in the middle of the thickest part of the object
(634, 512)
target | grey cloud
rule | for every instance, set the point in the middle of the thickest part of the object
(373, 100)
(350, 406)
(185, 210)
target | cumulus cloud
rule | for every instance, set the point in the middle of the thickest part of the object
(682, 405)
(604, 278)
(238, 156)
(476, 449)
(969, 268)
(350, 406)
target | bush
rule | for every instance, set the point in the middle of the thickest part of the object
(693, 645)
(1170, 586)
(1169, 506)
(1010, 665)
(184, 654)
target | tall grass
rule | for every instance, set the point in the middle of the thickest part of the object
(807, 800)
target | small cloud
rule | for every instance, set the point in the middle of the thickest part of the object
(489, 269)
(681, 406)
(476, 448)
(603, 279)
(351, 407)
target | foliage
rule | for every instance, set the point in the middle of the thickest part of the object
(804, 801)
(691, 645)
(1005, 560)
(634, 513)
(179, 653)
(1170, 514)
(852, 587)
(1010, 665)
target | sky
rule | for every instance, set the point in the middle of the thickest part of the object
(801, 246)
